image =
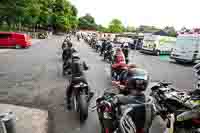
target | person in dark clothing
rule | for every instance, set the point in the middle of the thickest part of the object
(109, 50)
(125, 74)
(67, 56)
(103, 48)
(143, 113)
(68, 51)
(78, 67)
(125, 50)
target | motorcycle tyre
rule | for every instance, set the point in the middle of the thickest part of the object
(83, 107)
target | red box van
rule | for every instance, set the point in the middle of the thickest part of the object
(16, 40)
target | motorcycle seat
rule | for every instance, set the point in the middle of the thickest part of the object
(78, 79)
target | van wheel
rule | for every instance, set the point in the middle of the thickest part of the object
(17, 46)
(157, 53)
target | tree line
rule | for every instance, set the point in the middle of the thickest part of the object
(38, 14)
(58, 15)
(116, 26)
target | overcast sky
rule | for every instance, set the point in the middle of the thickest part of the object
(159, 13)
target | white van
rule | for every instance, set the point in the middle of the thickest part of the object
(187, 48)
(158, 45)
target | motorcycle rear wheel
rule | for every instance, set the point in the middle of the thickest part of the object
(83, 107)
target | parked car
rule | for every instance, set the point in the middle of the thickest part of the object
(16, 40)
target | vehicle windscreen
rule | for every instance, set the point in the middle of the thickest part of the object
(149, 44)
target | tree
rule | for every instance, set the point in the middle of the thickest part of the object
(60, 14)
(102, 28)
(147, 29)
(130, 29)
(87, 22)
(170, 30)
(115, 26)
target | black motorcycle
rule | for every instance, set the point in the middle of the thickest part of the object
(98, 48)
(116, 118)
(108, 56)
(183, 106)
(80, 97)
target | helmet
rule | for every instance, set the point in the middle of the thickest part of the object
(138, 79)
(75, 56)
(69, 44)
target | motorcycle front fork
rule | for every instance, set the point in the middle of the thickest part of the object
(198, 83)
(170, 124)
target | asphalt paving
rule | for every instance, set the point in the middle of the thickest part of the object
(33, 78)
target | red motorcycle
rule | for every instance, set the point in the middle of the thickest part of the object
(119, 65)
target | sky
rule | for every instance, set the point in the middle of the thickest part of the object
(160, 13)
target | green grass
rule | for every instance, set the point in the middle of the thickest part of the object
(164, 57)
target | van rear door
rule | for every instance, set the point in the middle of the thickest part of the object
(186, 47)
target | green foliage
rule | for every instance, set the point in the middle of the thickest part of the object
(101, 28)
(115, 26)
(147, 29)
(60, 14)
(170, 30)
(130, 29)
(87, 22)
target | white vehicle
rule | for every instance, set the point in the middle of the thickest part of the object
(187, 48)
(157, 44)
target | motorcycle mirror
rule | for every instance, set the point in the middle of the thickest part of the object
(86, 68)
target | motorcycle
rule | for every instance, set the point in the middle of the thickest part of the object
(182, 109)
(196, 69)
(98, 48)
(108, 55)
(116, 118)
(64, 45)
(80, 98)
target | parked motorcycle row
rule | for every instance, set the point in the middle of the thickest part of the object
(180, 109)
(78, 93)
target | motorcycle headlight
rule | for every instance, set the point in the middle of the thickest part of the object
(106, 115)
(77, 86)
